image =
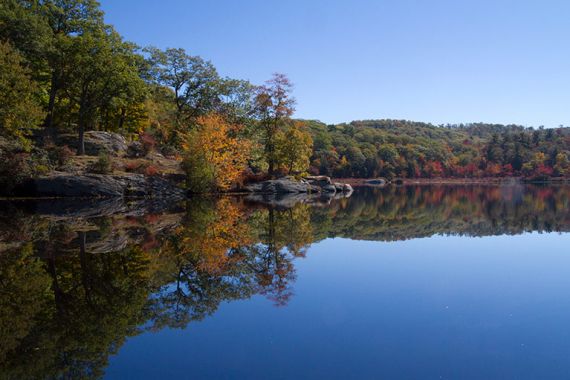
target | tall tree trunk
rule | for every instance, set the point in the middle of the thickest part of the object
(57, 292)
(81, 140)
(82, 124)
(271, 157)
(49, 132)
(271, 231)
(122, 119)
(85, 273)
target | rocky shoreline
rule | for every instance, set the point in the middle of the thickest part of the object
(132, 185)
(126, 181)
(127, 185)
(379, 182)
(312, 184)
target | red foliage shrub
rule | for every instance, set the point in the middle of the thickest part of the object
(248, 176)
(148, 142)
(141, 167)
(508, 170)
(133, 166)
(152, 218)
(151, 170)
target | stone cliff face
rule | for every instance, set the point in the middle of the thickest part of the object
(100, 186)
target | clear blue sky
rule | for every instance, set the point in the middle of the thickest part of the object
(438, 60)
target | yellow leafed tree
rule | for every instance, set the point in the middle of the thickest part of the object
(294, 147)
(215, 156)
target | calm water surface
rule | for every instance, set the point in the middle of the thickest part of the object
(432, 282)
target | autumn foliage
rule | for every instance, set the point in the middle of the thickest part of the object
(215, 155)
(212, 234)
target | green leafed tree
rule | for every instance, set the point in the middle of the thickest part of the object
(20, 110)
(197, 89)
(294, 148)
(102, 76)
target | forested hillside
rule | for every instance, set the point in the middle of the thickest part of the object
(400, 148)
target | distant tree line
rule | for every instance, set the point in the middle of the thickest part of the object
(400, 148)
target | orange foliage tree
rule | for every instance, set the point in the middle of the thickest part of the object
(215, 155)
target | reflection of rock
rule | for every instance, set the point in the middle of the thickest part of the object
(376, 182)
(329, 188)
(397, 181)
(280, 200)
(87, 208)
(22, 220)
(111, 242)
(96, 185)
(285, 201)
(97, 141)
(127, 232)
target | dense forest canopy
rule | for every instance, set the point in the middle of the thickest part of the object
(401, 148)
(65, 71)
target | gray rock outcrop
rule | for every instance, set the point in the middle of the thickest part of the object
(313, 184)
(281, 186)
(98, 141)
(100, 186)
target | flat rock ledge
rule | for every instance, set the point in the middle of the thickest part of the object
(290, 185)
(97, 142)
(100, 186)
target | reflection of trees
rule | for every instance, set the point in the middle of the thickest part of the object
(221, 253)
(72, 290)
(399, 213)
(206, 268)
(282, 235)
(72, 296)
(75, 305)
(90, 304)
(24, 294)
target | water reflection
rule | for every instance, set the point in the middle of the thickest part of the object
(76, 280)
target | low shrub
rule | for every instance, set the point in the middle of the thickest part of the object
(141, 167)
(169, 151)
(13, 169)
(103, 165)
(17, 166)
(148, 142)
(133, 166)
(151, 170)
(60, 155)
(135, 150)
(249, 176)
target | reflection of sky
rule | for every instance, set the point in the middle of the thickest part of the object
(441, 307)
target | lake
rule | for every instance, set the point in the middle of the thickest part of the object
(411, 282)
